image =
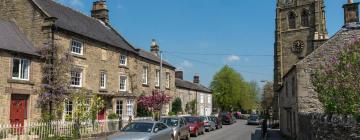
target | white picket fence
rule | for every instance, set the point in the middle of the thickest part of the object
(42, 130)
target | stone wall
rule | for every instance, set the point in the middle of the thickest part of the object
(318, 126)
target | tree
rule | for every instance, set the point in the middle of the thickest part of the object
(267, 99)
(177, 106)
(232, 92)
(56, 87)
(154, 102)
(338, 82)
(191, 107)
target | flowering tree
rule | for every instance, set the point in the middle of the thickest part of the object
(155, 101)
(55, 77)
(338, 83)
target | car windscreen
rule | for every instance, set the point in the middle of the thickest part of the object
(254, 118)
(138, 127)
(191, 119)
(170, 121)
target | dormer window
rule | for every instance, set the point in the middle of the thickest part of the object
(77, 47)
(21, 69)
(123, 60)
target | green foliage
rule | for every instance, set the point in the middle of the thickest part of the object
(232, 92)
(171, 113)
(113, 116)
(267, 99)
(338, 82)
(176, 106)
(191, 107)
(142, 111)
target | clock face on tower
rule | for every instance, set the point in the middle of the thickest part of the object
(298, 46)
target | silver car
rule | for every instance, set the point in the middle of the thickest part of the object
(181, 129)
(208, 123)
(147, 130)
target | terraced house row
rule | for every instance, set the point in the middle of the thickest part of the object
(104, 62)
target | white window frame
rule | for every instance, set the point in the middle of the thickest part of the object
(201, 98)
(209, 99)
(103, 80)
(125, 82)
(81, 47)
(121, 59)
(167, 80)
(157, 78)
(145, 75)
(130, 107)
(66, 105)
(119, 107)
(80, 81)
(20, 69)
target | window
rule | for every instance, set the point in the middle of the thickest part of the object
(305, 18)
(209, 99)
(167, 80)
(129, 107)
(157, 78)
(119, 107)
(123, 60)
(292, 20)
(76, 77)
(145, 75)
(123, 81)
(77, 47)
(68, 108)
(201, 98)
(21, 69)
(103, 80)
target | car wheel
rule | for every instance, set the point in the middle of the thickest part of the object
(196, 133)
(172, 137)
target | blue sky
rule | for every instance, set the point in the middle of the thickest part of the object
(200, 36)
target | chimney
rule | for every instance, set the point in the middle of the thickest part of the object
(100, 11)
(196, 79)
(351, 12)
(179, 75)
(154, 47)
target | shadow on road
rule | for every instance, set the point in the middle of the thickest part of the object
(256, 135)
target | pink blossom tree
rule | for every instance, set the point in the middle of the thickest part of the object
(154, 102)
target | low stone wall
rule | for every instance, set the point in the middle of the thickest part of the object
(317, 126)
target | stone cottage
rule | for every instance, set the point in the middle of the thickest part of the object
(193, 91)
(104, 62)
(297, 95)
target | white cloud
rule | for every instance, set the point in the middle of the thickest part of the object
(186, 64)
(232, 58)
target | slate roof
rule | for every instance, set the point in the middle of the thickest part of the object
(12, 39)
(190, 85)
(152, 57)
(74, 21)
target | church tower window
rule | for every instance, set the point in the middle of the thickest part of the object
(305, 18)
(292, 20)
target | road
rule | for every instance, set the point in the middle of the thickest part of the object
(238, 131)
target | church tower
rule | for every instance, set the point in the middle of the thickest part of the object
(300, 29)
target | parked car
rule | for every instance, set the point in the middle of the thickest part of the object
(179, 125)
(209, 125)
(227, 118)
(196, 125)
(254, 119)
(237, 115)
(145, 130)
(217, 121)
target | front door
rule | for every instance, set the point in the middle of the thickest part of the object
(101, 114)
(18, 109)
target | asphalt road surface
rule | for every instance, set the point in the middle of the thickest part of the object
(237, 131)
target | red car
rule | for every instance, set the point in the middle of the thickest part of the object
(196, 125)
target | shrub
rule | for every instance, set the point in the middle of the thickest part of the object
(113, 116)
(176, 106)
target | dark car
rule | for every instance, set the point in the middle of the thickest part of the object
(208, 123)
(217, 120)
(227, 118)
(196, 125)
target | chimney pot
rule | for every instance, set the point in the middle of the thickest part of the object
(351, 12)
(179, 75)
(196, 79)
(154, 48)
(100, 11)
